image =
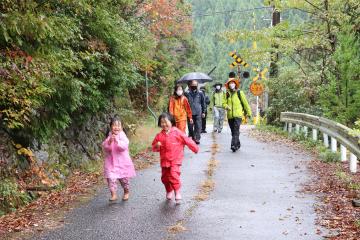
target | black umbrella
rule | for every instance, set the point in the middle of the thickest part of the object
(198, 76)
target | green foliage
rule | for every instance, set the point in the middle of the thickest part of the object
(210, 29)
(327, 155)
(272, 129)
(80, 55)
(340, 98)
(289, 92)
(343, 176)
(357, 223)
(11, 197)
(65, 61)
(348, 180)
(309, 143)
(297, 137)
(317, 44)
(91, 167)
(136, 148)
(356, 130)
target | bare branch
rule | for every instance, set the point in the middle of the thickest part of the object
(314, 5)
(298, 65)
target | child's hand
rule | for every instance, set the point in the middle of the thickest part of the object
(158, 144)
(112, 138)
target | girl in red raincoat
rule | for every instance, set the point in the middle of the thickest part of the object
(170, 143)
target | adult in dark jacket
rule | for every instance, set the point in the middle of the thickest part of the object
(207, 103)
(197, 103)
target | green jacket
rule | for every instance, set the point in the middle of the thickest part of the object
(233, 105)
(217, 99)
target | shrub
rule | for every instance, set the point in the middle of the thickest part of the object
(11, 197)
(329, 156)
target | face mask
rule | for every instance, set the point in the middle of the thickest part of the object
(218, 87)
(179, 92)
(232, 85)
(193, 88)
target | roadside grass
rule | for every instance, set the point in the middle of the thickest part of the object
(325, 154)
(347, 179)
(142, 138)
(357, 223)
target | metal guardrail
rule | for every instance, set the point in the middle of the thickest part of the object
(337, 132)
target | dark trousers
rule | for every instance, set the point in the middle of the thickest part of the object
(195, 129)
(234, 124)
(203, 123)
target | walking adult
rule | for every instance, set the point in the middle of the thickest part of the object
(218, 109)
(207, 103)
(197, 103)
(237, 107)
(179, 107)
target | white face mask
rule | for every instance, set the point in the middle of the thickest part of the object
(232, 85)
(179, 92)
(218, 87)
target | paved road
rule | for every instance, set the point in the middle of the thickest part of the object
(255, 197)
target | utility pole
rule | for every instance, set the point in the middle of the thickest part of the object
(274, 56)
(257, 97)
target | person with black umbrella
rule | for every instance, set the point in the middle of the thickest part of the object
(197, 103)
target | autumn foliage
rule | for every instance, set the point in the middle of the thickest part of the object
(167, 18)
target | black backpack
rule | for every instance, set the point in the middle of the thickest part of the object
(242, 104)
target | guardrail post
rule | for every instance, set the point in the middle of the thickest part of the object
(290, 127)
(285, 126)
(353, 163)
(305, 131)
(333, 144)
(315, 134)
(343, 153)
(326, 140)
(297, 128)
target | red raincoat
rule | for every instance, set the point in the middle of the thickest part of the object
(172, 147)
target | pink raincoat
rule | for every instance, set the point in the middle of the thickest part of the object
(118, 163)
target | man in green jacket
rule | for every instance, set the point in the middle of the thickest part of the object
(237, 107)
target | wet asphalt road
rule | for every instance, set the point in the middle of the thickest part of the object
(256, 196)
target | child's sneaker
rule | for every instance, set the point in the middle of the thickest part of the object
(169, 195)
(178, 197)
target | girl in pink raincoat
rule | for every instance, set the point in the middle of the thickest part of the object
(118, 165)
(170, 143)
